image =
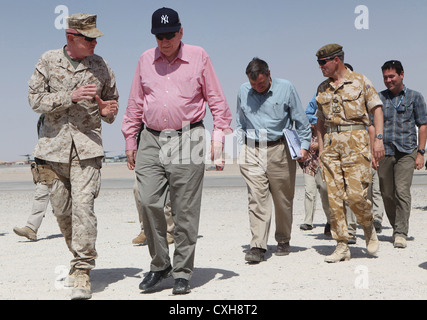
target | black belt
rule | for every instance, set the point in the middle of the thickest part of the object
(256, 143)
(191, 126)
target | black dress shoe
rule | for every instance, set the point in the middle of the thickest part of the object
(153, 279)
(181, 286)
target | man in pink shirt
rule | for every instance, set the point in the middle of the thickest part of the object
(171, 86)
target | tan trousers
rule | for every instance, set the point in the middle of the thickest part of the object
(72, 199)
(346, 165)
(269, 173)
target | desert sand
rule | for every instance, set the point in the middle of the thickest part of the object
(35, 269)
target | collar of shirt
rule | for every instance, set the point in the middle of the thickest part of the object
(348, 78)
(270, 91)
(390, 94)
(65, 63)
(181, 54)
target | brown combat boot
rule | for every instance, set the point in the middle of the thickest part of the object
(372, 243)
(341, 253)
(140, 239)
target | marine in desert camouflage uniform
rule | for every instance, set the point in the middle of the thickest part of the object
(344, 101)
(75, 89)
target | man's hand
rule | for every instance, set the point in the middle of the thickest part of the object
(304, 155)
(107, 108)
(217, 149)
(419, 161)
(87, 92)
(131, 155)
(378, 151)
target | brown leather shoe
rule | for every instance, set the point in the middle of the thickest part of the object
(255, 255)
(282, 249)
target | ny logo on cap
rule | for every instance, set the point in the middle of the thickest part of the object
(164, 19)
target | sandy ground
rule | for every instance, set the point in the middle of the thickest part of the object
(34, 270)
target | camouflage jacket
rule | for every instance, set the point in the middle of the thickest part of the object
(348, 103)
(50, 90)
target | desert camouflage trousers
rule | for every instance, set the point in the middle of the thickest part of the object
(346, 167)
(72, 200)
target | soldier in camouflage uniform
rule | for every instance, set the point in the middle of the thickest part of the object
(344, 101)
(75, 89)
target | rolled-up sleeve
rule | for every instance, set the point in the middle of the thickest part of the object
(217, 102)
(132, 119)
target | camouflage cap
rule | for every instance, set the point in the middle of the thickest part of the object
(328, 51)
(85, 24)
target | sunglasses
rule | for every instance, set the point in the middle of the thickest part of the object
(88, 39)
(324, 61)
(168, 36)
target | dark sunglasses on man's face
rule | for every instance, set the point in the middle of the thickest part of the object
(324, 61)
(168, 36)
(88, 39)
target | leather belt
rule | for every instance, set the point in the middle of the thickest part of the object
(347, 127)
(192, 125)
(256, 143)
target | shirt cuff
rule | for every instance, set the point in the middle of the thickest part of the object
(131, 144)
(218, 135)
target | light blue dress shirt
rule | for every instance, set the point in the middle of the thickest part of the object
(310, 111)
(268, 114)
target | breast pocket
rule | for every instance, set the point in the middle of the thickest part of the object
(324, 101)
(406, 110)
(354, 107)
(56, 84)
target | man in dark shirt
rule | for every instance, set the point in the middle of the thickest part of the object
(404, 110)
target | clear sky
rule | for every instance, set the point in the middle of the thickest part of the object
(285, 33)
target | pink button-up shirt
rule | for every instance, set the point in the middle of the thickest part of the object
(170, 95)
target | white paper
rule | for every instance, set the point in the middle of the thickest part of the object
(294, 143)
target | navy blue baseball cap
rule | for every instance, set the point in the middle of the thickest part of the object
(165, 20)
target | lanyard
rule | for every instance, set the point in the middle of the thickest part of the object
(401, 99)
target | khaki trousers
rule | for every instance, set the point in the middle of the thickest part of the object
(312, 185)
(40, 204)
(269, 173)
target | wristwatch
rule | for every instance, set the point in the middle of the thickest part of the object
(422, 151)
(379, 136)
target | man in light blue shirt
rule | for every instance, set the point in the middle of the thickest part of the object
(265, 107)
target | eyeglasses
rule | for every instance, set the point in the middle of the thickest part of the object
(324, 61)
(88, 39)
(168, 36)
